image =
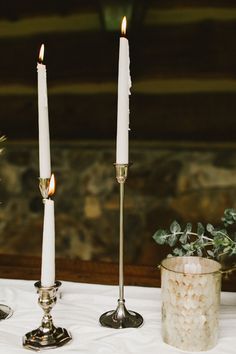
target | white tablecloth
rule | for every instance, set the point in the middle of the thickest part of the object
(79, 309)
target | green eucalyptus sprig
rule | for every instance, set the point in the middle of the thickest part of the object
(206, 241)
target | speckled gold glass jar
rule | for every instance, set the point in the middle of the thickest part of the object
(190, 302)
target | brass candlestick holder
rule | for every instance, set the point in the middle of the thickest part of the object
(44, 187)
(5, 312)
(121, 317)
(46, 336)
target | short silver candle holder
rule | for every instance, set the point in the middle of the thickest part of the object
(121, 317)
(5, 312)
(46, 336)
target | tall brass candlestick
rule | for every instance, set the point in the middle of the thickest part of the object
(121, 317)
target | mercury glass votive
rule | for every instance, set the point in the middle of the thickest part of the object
(190, 302)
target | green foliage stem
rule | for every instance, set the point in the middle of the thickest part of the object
(207, 242)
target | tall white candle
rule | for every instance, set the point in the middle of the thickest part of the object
(124, 84)
(48, 246)
(44, 141)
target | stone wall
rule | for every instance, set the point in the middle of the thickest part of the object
(167, 181)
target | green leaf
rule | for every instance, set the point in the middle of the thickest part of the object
(200, 229)
(227, 249)
(187, 247)
(221, 238)
(160, 236)
(175, 227)
(229, 217)
(210, 228)
(210, 253)
(199, 252)
(172, 240)
(184, 237)
(188, 227)
(230, 213)
(190, 252)
(178, 252)
(233, 250)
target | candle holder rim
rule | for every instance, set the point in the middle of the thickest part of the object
(122, 164)
(38, 285)
(219, 270)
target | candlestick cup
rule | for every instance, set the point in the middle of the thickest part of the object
(44, 187)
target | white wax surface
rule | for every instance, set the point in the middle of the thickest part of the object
(44, 141)
(48, 247)
(124, 84)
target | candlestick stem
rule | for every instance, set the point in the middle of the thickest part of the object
(121, 317)
(121, 247)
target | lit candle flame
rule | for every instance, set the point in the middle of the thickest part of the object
(41, 53)
(123, 26)
(52, 185)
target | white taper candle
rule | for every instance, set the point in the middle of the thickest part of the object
(124, 84)
(48, 244)
(43, 124)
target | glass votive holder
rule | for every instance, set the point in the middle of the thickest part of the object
(190, 302)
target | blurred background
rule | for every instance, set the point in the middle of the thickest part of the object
(182, 119)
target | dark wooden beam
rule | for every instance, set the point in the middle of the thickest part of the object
(177, 52)
(184, 51)
(14, 10)
(190, 3)
(26, 267)
(199, 51)
(197, 116)
(188, 117)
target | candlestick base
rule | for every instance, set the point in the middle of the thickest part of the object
(38, 339)
(5, 312)
(121, 318)
(47, 336)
